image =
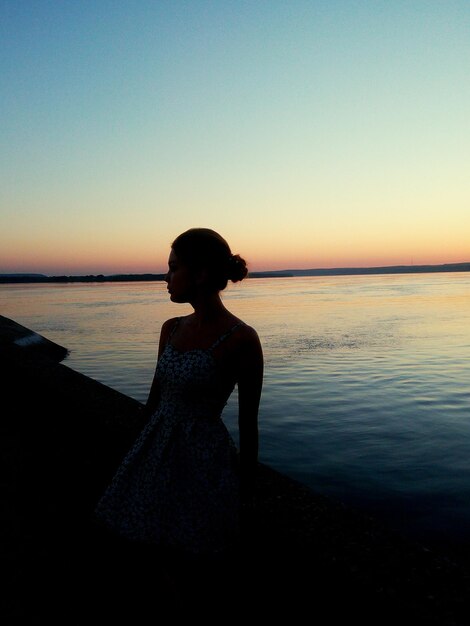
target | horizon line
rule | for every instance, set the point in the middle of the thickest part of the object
(254, 272)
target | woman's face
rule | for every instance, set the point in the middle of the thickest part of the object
(181, 284)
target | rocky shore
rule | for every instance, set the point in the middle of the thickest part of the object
(303, 556)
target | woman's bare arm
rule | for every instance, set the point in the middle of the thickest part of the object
(250, 382)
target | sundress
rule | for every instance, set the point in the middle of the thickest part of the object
(178, 486)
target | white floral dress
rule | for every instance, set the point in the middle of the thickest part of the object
(178, 486)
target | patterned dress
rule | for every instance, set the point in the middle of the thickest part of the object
(178, 486)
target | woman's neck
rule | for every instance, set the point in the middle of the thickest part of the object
(207, 309)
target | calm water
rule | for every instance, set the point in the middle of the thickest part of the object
(367, 383)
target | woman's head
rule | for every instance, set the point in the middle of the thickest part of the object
(204, 250)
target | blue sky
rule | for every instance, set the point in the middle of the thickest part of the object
(310, 134)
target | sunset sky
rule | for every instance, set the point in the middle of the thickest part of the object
(308, 133)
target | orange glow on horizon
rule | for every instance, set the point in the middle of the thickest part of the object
(75, 265)
(144, 252)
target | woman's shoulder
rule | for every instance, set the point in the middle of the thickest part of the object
(245, 333)
(246, 329)
(169, 323)
(247, 350)
(168, 327)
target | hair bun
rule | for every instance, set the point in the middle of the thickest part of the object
(204, 249)
(237, 269)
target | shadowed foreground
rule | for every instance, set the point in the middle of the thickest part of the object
(303, 556)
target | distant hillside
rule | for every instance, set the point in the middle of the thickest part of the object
(88, 278)
(21, 276)
(273, 274)
(335, 271)
(348, 271)
(392, 269)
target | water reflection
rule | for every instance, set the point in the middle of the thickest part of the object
(367, 377)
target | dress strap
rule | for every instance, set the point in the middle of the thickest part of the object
(173, 329)
(226, 334)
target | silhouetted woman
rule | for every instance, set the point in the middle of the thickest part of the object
(183, 483)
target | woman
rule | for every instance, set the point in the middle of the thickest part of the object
(183, 483)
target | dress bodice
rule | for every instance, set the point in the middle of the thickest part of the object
(192, 382)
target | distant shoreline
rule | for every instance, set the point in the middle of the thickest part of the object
(337, 271)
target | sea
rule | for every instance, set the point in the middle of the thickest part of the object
(366, 395)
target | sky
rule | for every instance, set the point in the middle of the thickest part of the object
(319, 133)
